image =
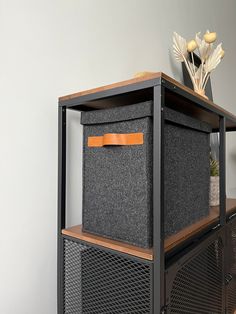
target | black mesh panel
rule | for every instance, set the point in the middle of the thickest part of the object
(197, 287)
(100, 282)
(231, 260)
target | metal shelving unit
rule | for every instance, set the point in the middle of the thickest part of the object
(163, 91)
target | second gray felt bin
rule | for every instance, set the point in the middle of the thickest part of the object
(117, 179)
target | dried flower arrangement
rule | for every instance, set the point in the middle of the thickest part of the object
(209, 56)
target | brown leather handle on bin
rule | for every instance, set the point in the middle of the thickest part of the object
(115, 139)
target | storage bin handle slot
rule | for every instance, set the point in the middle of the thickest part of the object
(111, 139)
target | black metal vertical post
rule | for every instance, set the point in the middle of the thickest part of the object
(61, 202)
(158, 200)
(222, 166)
(222, 172)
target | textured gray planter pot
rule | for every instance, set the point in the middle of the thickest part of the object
(117, 180)
(215, 191)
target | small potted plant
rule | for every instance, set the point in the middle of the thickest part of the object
(214, 183)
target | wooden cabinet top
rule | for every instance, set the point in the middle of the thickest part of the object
(170, 243)
(135, 90)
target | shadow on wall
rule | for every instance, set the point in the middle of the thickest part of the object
(74, 168)
(175, 66)
(232, 156)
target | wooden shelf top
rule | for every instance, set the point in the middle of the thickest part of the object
(131, 81)
(76, 232)
(170, 243)
(140, 89)
(197, 227)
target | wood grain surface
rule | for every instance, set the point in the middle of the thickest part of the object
(170, 243)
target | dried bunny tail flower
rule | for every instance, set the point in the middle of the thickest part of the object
(192, 45)
(179, 47)
(210, 37)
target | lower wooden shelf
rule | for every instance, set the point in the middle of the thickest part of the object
(76, 232)
(197, 227)
(170, 242)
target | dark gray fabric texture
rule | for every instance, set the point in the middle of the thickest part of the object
(122, 113)
(186, 121)
(117, 180)
(187, 175)
(117, 185)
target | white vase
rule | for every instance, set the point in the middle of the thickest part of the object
(215, 191)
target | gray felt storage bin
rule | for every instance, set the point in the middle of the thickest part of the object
(117, 179)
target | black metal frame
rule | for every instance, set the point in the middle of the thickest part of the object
(158, 199)
(159, 87)
(61, 201)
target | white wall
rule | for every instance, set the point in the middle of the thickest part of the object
(187, 18)
(51, 48)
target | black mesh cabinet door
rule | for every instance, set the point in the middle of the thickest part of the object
(97, 281)
(195, 282)
(230, 260)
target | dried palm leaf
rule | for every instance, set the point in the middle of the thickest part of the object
(179, 47)
(204, 48)
(198, 73)
(214, 59)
